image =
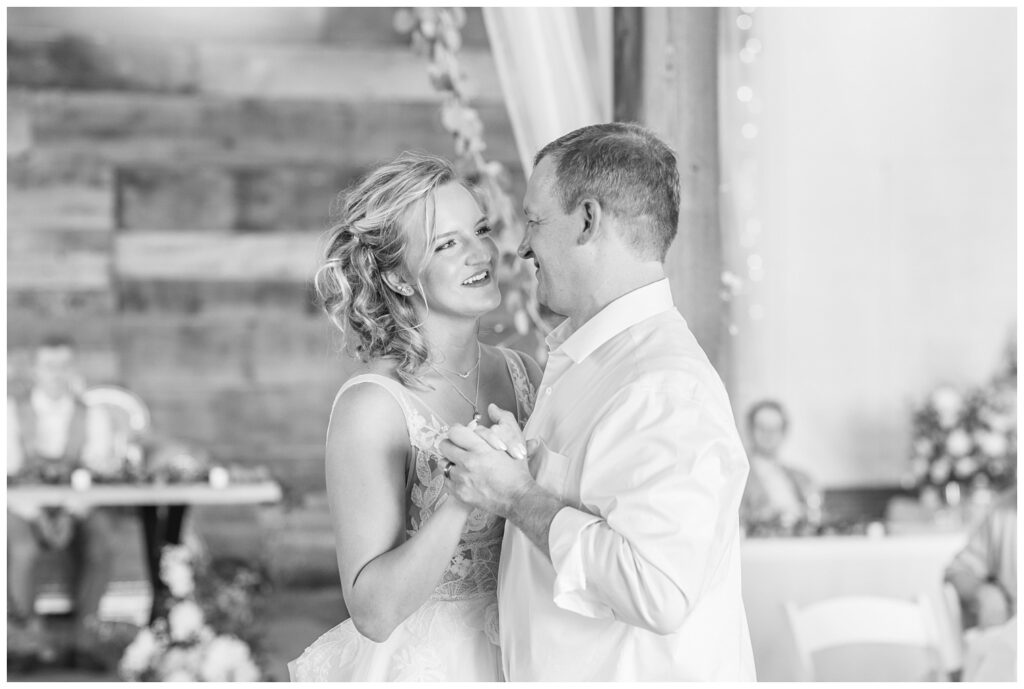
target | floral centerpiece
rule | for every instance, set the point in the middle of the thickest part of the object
(208, 633)
(967, 440)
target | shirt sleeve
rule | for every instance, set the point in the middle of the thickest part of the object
(660, 493)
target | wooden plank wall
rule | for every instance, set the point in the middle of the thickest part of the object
(169, 177)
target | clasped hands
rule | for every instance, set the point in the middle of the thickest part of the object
(488, 467)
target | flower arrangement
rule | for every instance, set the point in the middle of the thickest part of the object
(436, 33)
(208, 633)
(967, 438)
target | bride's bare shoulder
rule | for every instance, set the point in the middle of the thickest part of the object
(367, 412)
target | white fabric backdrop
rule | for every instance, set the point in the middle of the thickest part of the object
(546, 74)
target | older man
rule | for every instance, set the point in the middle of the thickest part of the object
(621, 554)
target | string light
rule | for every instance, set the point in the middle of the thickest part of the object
(742, 183)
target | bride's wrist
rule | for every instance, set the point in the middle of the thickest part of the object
(456, 506)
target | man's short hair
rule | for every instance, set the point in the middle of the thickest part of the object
(629, 171)
(756, 408)
(56, 341)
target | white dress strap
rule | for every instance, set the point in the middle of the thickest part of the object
(394, 388)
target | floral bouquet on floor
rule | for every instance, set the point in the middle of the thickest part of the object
(208, 634)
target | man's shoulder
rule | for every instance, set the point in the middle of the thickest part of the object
(662, 350)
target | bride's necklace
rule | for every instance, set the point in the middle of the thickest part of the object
(472, 402)
(465, 375)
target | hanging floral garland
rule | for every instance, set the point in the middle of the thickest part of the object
(436, 33)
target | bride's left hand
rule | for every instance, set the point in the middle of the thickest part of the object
(505, 434)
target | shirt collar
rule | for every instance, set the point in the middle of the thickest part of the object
(626, 311)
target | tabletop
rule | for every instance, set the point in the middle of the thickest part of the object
(40, 495)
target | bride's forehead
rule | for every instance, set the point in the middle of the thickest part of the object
(448, 207)
(454, 199)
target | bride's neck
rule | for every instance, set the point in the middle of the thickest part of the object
(454, 344)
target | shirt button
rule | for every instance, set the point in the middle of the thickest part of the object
(548, 391)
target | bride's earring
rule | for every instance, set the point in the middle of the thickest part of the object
(395, 283)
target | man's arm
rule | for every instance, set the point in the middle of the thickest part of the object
(532, 512)
(659, 494)
(15, 456)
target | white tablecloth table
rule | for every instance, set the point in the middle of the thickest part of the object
(803, 570)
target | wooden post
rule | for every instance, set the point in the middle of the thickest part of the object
(678, 100)
(628, 30)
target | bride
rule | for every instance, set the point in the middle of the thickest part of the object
(409, 270)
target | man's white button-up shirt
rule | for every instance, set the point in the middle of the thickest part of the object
(638, 439)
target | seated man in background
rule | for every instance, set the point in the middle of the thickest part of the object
(984, 575)
(51, 432)
(775, 493)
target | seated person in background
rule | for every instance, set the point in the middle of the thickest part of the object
(984, 573)
(50, 432)
(775, 493)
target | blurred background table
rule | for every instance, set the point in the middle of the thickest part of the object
(144, 494)
(158, 529)
(802, 570)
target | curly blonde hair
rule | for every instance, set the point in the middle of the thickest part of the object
(368, 242)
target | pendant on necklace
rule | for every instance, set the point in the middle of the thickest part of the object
(474, 421)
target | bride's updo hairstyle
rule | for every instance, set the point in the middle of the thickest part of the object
(368, 242)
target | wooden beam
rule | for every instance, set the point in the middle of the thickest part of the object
(680, 103)
(628, 27)
(122, 128)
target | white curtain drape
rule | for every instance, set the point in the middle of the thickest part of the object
(555, 70)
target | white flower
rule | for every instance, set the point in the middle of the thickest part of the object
(940, 470)
(206, 634)
(460, 566)
(139, 654)
(958, 443)
(185, 620)
(923, 447)
(175, 555)
(178, 577)
(228, 659)
(992, 444)
(965, 466)
(947, 401)
(919, 467)
(477, 520)
(948, 406)
(180, 665)
(247, 672)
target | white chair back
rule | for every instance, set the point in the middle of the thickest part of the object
(129, 416)
(853, 620)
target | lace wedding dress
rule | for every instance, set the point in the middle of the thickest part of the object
(453, 636)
